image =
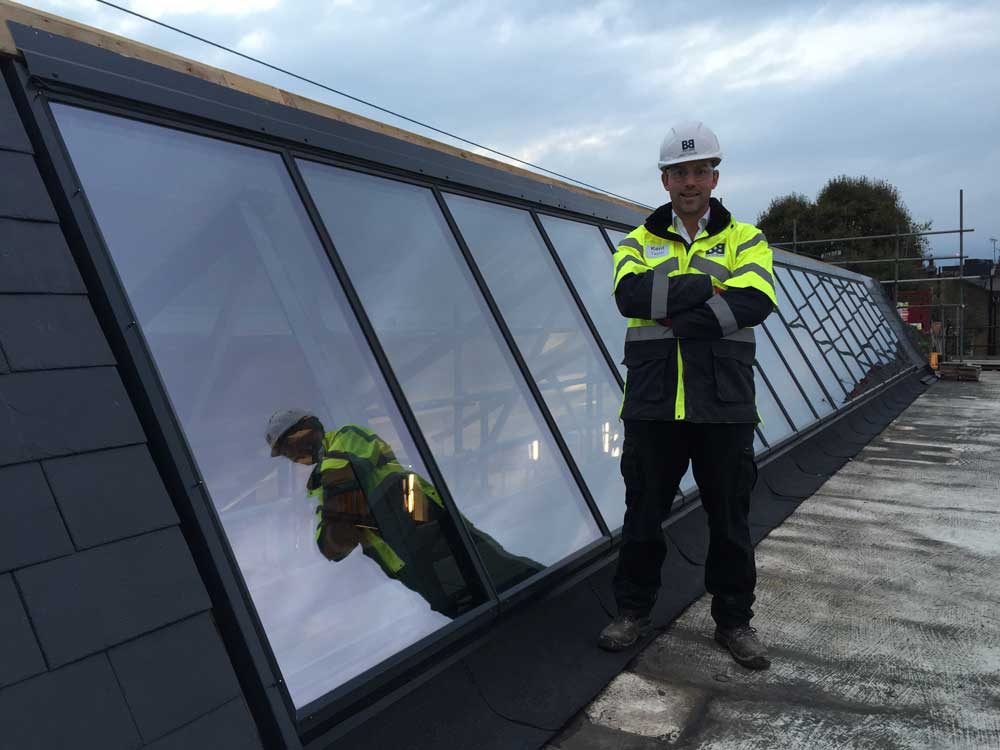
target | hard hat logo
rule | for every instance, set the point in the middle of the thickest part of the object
(688, 141)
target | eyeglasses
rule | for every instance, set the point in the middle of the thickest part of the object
(701, 173)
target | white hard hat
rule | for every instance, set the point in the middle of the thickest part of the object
(280, 423)
(689, 141)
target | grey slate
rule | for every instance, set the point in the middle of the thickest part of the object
(110, 495)
(12, 135)
(228, 728)
(96, 599)
(50, 331)
(34, 257)
(77, 707)
(174, 675)
(61, 412)
(31, 530)
(22, 192)
(20, 656)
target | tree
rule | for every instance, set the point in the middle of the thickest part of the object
(850, 207)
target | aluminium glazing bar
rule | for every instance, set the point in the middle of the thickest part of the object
(364, 323)
(576, 298)
(522, 366)
(798, 345)
(791, 277)
(817, 313)
(791, 372)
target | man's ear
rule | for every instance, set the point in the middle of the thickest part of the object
(664, 179)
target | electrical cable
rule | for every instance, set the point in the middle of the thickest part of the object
(365, 102)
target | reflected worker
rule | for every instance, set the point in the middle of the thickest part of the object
(692, 282)
(366, 497)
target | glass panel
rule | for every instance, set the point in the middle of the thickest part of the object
(825, 312)
(782, 382)
(787, 346)
(580, 390)
(615, 235)
(847, 345)
(794, 317)
(772, 422)
(853, 324)
(758, 445)
(587, 259)
(244, 317)
(797, 291)
(501, 463)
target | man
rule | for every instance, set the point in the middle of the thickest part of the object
(366, 497)
(692, 282)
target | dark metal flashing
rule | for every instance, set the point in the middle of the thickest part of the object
(67, 62)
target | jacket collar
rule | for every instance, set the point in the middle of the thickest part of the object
(661, 221)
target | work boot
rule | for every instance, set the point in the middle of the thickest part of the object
(624, 631)
(744, 645)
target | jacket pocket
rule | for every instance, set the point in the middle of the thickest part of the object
(733, 365)
(646, 380)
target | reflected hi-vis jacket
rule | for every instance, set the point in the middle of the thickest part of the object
(359, 482)
(699, 368)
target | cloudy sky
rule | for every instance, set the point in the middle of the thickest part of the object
(798, 92)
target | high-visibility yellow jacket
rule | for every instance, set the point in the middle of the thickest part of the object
(359, 482)
(689, 344)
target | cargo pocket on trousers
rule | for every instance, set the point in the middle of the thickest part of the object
(733, 363)
(647, 380)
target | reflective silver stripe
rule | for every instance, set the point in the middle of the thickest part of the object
(660, 293)
(745, 335)
(669, 265)
(631, 242)
(724, 314)
(648, 333)
(759, 270)
(657, 333)
(759, 237)
(629, 259)
(702, 263)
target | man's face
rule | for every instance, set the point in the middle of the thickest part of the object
(300, 445)
(690, 185)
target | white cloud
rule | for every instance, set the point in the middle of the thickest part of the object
(161, 8)
(254, 43)
(566, 141)
(805, 50)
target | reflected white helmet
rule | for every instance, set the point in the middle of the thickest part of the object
(689, 141)
(280, 423)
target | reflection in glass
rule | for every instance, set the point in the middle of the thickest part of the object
(587, 259)
(501, 463)
(841, 349)
(784, 386)
(244, 317)
(772, 421)
(795, 322)
(366, 498)
(784, 343)
(848, 347)
(578, 386)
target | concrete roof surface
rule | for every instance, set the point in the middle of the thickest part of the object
(880, 601)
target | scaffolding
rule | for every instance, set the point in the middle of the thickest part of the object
(893, 285)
